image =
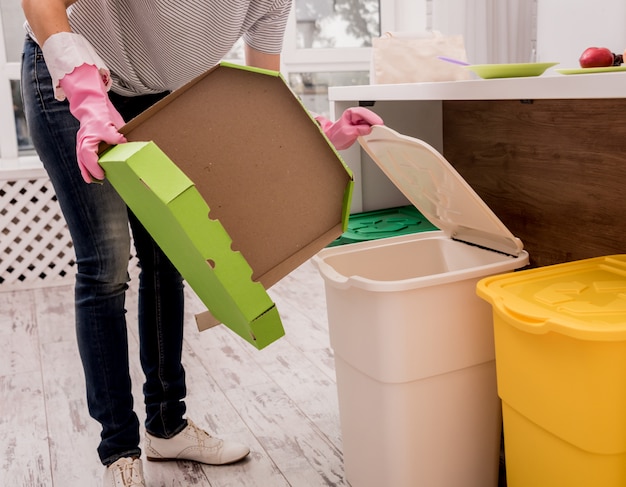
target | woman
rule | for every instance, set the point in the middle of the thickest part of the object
(75, 52)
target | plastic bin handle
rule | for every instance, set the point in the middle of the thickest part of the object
(329, 273)
(526, 323)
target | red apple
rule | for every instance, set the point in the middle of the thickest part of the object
(596, 57)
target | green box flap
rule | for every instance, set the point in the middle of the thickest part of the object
(167, 203)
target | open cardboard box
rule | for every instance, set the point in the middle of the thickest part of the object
(254, 190)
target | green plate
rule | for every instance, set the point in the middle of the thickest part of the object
(518, 70)
(607, 69)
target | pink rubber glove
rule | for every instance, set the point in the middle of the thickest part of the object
(99, 120)
(353, 123)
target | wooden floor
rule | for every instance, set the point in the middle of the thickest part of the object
(281, 401)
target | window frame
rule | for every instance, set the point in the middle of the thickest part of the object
(10, 157)
(296, 59)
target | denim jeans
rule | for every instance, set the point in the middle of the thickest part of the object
(98, 221)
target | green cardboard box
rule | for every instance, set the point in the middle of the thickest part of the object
(238, 185)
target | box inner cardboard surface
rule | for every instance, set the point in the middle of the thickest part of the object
(258, 160)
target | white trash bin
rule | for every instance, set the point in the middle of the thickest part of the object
(413, 343)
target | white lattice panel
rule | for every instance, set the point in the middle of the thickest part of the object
(35, 247)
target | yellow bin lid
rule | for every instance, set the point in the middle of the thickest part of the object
(585, 299)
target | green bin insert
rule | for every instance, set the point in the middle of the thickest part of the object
(390, 222)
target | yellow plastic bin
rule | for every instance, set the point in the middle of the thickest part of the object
(560, 336)
(413, 344)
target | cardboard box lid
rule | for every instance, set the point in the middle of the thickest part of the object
(260, 162)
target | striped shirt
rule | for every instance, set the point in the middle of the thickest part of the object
(152, 46)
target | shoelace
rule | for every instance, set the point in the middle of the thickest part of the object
(202, 436)
(130, 475)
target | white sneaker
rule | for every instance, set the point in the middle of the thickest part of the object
(125, 472)
(195, 444)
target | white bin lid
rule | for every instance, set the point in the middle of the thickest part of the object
(437, 190)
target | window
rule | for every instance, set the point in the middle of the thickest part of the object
(336, 23)
(312, 88)
(14, 140)
(13, 28)
(327, 43)
(24, 143)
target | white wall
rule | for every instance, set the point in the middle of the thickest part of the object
(565, 28)
(411, 15)
(495, 31)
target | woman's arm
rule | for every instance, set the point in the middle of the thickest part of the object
(258, 59)
(47, 17)
(80, 75)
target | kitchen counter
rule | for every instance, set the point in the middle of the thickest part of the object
(547, 154)
(547, 86)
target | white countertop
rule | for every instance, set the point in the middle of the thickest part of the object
(547, 86)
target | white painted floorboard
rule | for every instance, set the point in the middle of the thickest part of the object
(282, 401)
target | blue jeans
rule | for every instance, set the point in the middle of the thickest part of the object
(98, 221)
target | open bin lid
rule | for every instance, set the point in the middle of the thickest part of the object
(436, 189)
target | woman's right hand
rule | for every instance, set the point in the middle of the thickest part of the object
(89, 102)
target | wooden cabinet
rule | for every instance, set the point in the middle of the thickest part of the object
(554, 171)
